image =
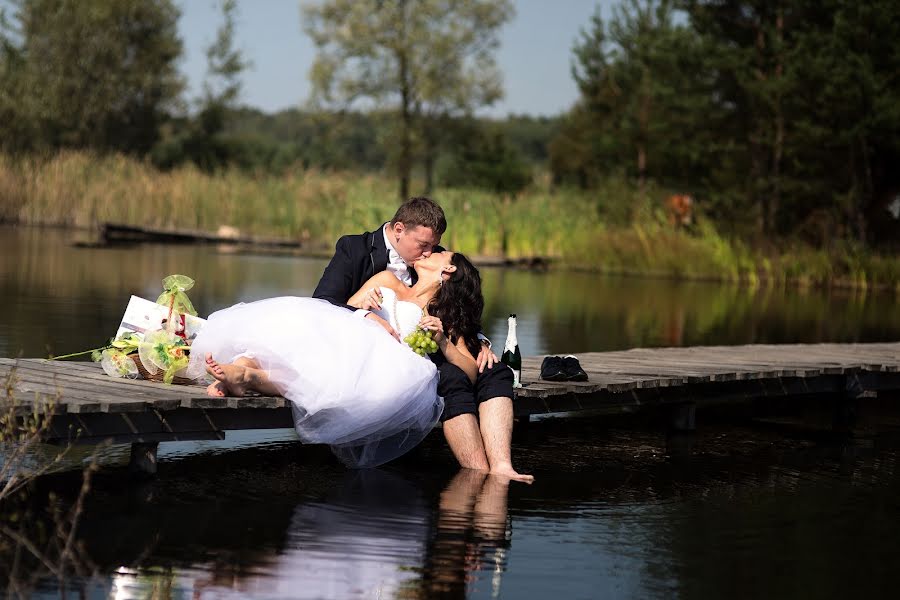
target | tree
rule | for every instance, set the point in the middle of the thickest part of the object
(642, 101)
(809, 95)
(16, 132)
(99, 74)
(842, 141)
(225, 63)
(745, 48)
(424, 59)
(221, 90)
(483, 157)
(201, 138)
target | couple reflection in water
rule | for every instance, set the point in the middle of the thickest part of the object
(378, 535)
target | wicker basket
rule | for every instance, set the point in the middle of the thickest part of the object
(158, 376)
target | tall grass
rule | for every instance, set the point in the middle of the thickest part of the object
(614, 228)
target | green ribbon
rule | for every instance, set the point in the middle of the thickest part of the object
(173, 296)
(127, 342)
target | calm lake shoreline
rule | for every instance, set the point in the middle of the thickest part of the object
(564, 225)
(91, 237)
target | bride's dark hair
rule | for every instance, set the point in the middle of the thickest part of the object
(459, 303)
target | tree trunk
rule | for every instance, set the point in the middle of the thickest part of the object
(778, 149)
(642, 165)
(866, 193)
(429, 172)
(404, 166)
(758, 146)
(430, 153)
(643, 136)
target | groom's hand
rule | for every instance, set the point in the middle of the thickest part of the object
(486, 358)
(385, 324)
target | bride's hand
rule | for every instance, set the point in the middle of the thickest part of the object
(370, 300)
(385, 324)
(433, 324)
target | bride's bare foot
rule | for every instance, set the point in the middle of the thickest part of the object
(216, 389)
(508, 471)
(232, 379)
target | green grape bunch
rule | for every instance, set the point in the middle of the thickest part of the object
(421, 342)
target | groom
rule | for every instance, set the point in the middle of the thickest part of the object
(477, 420)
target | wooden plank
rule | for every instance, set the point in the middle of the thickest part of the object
(723, 359)
(104, 383)
(716, 364)
(74, 400)
(110, 386)
(96, 374)
(81, 396)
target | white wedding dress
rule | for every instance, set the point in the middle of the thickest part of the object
(352, 385)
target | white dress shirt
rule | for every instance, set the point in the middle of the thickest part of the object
(396, 265)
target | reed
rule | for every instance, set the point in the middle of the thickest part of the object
(613, 228)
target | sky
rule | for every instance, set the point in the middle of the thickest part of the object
(535, 53)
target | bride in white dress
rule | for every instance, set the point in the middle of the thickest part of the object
(352, 386)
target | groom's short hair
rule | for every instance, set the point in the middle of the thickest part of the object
(421, 211)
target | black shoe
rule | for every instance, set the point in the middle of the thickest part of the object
(572, 369)
(552, 369)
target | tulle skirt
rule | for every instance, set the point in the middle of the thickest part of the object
(351, 385)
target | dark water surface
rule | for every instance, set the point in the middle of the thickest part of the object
(742, 509)
(58, 299)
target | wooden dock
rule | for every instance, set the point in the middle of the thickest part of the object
(91, 407)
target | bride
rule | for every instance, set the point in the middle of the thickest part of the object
(351, 385)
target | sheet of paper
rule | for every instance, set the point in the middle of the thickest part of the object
(142, 315)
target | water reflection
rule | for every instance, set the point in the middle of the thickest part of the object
(56, 298)
(339, 534)
(751, 513)
(377, 535)
(364, 538)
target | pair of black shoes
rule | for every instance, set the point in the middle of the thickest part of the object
(565, 368)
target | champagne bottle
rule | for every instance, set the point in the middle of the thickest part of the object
(511, 355)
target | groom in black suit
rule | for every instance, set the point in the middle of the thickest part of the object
(477, 419)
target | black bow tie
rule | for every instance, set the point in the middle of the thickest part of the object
(412, 274)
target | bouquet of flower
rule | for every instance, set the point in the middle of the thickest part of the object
(114, 358)
(164, 351)
(152, 342)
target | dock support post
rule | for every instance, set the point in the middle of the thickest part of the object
(683, 417)
(143, 459)
(680, 433)
(846, 408)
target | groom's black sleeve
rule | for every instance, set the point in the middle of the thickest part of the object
(338, 282)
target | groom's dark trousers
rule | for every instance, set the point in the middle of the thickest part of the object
(356, 259)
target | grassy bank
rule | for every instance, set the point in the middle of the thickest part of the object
(613, 228)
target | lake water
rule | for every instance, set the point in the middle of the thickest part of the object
(745, 509)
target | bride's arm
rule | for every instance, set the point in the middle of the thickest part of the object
(382, 279)
(459, 355)
(456, 354)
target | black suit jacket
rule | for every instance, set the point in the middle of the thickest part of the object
(356, 259)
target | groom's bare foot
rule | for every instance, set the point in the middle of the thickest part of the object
(234, 378)
(508, 471)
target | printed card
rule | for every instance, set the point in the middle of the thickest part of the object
(142, 315)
